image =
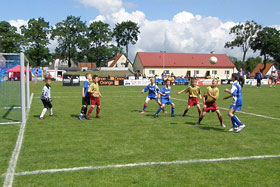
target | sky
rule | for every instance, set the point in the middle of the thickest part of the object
(189, 26)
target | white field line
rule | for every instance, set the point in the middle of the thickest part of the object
(248, 113)
(9, 177)
(66, 97)
(36, 172)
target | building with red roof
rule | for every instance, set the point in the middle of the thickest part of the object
(180, 64)
(267, 71)
(119, 61)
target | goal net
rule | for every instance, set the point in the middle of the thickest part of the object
(14, 88)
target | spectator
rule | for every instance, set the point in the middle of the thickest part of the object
(258, 76)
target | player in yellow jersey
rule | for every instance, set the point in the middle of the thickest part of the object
(209, 102)
(94, 97)
(194, 94)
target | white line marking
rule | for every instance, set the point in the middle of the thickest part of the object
(64, 97)
(9, 178)
(252, 114)
(36, 172)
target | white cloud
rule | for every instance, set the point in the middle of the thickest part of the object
(18, 23)
(186, 32)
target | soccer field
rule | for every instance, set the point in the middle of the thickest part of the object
(64, 151)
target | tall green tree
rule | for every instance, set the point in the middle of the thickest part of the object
(251, 63)
(96, 47)
(237, 63)
(243, 33)
(267, 42)
(36, 36)
(10, 40)
(70, 34)
(126, 33)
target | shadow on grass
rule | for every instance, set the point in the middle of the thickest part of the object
(74, 116)
(36, 116)
(212, 128)
(135, 110)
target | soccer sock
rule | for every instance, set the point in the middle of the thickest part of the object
(159, 109)
(185, 112)
(51, 111)
(82, 111)
(199, 111)
(233, 123)
(172, 111)
(163, 109)
(237, 121)
(85, 111)
(43, 112)
(97, 111)
(221, 119)
(145, 106)
(200, 119)
(90, 111)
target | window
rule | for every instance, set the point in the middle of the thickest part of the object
(166, 71)
(214, 72)
(123, 64)
(227, 72)
(196, 72)
(151, 72)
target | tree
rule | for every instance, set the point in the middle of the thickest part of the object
(10, 40)
(96, 47)
(251, 63)
(243, 34)
(69, 34)
(268, 42)
(126, 33)
(36, 36)
(237, 63)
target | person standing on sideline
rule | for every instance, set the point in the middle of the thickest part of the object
(258, 76)
(274, 79)
(241, 77)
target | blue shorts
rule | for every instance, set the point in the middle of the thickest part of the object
(166, 102)
(235, 107)
(152, 97)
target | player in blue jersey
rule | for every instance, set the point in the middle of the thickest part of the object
(85, 96)
(165, 99)
(152, 95)
(236, 94)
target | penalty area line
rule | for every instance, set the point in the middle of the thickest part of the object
(36, 172)
(9, 177)
(248, 113)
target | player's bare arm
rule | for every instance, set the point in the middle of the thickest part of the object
(181, 91)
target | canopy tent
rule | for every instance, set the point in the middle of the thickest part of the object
(14, 73)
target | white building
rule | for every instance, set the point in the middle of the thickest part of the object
(181, 64)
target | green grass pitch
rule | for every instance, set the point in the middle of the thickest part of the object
(123, 136)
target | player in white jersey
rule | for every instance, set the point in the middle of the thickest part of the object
(46, 99)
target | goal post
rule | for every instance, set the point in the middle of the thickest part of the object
(14, 88)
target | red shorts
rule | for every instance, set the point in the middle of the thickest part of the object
(211, 106)
(94, 101)
(193, 101)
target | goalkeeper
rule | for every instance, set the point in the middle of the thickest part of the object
(46, 99)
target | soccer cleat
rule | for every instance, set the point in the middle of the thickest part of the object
(197, 124)
(173, 115)
(88, 118)
(223, 125)
(232, 129)
(156, 116)
(41, 118)
(52, 115)
(142, 112)
(165, 112)
(182, 116)
(80, 117)
(240, 128)
(97, 117)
